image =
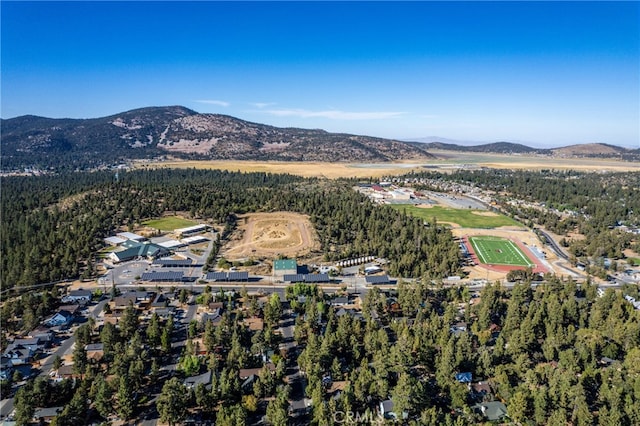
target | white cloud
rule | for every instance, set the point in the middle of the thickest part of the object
(213, 102)
(262, 104)
(334, 114)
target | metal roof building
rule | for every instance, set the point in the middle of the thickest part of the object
(130, 236)
(190, 230)
(283, 267)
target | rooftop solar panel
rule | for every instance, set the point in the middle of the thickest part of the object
(316, 278)
(377, 279)
(238, 276)
(216, 276)
(162, 276)
(173, 262)
(294, 278)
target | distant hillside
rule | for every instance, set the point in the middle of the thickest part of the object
(592, 150)
(495, 147)
(180, 132)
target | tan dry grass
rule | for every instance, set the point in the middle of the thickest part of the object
(484, 213)
(305, 169)
(447, 161)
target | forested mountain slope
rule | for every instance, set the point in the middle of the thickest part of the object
(181, 132)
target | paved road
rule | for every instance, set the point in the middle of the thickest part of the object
(293, 377)
(554, 245)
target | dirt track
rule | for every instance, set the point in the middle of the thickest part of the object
(271, 234)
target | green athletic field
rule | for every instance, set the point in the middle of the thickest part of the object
(466, 218)
(169, 223)
(499, 251)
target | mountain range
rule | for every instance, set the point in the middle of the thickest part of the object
(176, 131)
(577, 150)
(180, 132)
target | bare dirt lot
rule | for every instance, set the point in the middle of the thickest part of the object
(271, 234)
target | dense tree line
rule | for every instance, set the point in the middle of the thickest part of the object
(555, 354)
(53, 226)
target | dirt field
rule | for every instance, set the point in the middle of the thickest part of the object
(271, 234)
(310, 169)
(447, 161)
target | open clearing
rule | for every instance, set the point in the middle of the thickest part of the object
(298, 168)
(466, 218)
(169, 223)
(271, 234)
(446, 161)
(499, 251)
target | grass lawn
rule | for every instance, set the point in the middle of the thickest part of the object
(633, 261)
(499, 251)
(169, 223)
(466, 218)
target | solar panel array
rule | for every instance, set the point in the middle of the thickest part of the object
(216, 276)
(316, 278)
(306, 278)
(173, 262)
(238, 276)
(162, 276)
(294, 278)
(378, 279)
(227, 276)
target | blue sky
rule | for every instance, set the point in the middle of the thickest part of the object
(546, 73)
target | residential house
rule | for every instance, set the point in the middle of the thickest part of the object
(464, 377)
(194, 381)
(339, 301)
(351, 312)
(492, 411)
(139, 299)
(46, 415)
(73, 309)
(18, 355)
(77, 296)
(254, 323)
(34, 344)
(44, 334)
(64, 372)
(95, 351)
(60, 318)
(160, 301)
(247, 384)
(481, 391)
(458, 329)
(166, 312)
(387, 411)
(244, 373)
